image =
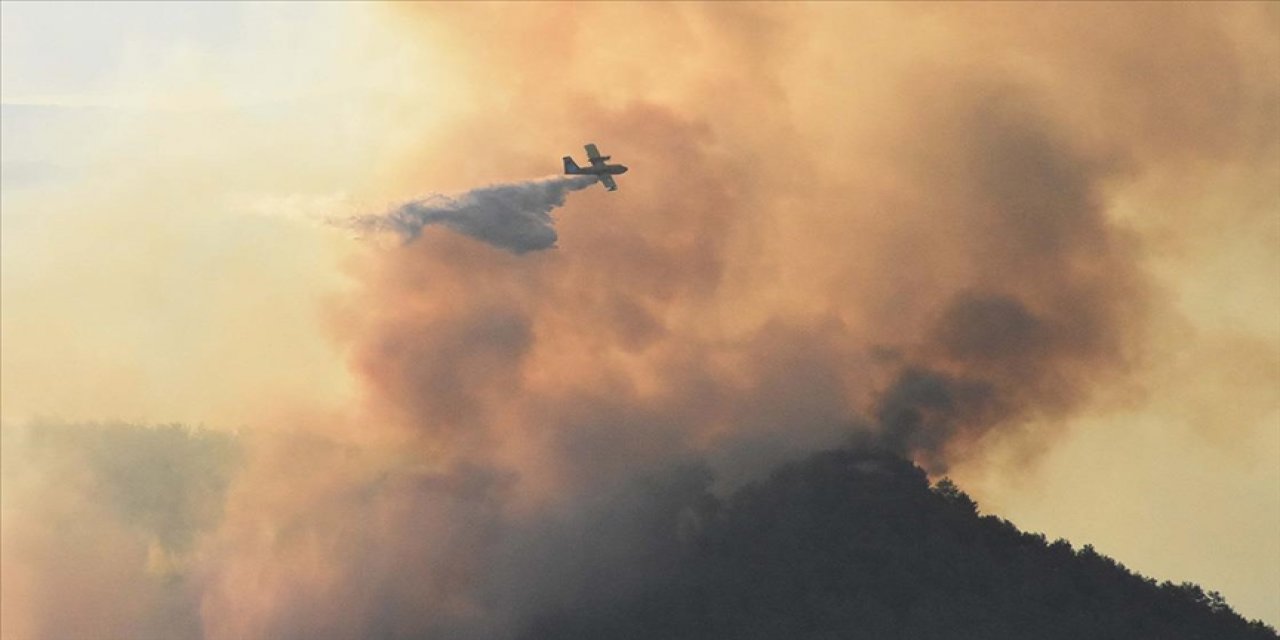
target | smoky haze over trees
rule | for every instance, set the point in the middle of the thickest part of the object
(849, 542)
(112, 511)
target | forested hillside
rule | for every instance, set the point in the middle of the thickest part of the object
(856, 545)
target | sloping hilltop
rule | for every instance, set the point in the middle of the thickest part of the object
(858, 545)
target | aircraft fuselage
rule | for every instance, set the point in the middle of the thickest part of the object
(598, 170)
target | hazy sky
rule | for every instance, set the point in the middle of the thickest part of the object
(811, 189)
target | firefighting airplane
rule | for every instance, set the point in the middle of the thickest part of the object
(600, 168)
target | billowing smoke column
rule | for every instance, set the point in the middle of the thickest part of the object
(514, 216)
(1048, 306)
(579, 407)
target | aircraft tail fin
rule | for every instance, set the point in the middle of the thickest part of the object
(571, 167)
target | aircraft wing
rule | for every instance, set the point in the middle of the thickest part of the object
(593, 153)
(607, 181)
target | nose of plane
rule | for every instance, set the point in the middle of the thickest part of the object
(624, 169)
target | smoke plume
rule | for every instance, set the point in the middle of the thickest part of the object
(515, 216)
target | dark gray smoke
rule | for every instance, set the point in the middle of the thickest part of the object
(515, 217)
(1052, 295)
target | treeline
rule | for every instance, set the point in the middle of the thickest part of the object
(857, 545)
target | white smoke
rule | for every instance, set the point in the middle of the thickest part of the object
(515, 217)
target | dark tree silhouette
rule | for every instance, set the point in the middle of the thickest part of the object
(858, 545)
